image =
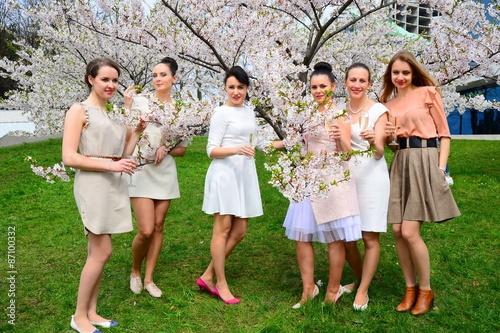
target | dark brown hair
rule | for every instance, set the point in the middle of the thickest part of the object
(359, 65)
(171, 63)
(94, 65)
(240, 75)
(324, 68)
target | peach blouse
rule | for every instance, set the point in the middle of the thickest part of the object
(420, 113)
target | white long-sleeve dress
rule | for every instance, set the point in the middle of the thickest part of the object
(231, 183)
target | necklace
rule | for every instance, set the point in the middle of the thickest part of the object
(361, 108)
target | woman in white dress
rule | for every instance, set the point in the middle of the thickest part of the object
(371, 175)
(331, 220)
(155, 185)
(232, 191)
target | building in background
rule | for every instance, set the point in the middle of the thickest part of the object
(416, 18)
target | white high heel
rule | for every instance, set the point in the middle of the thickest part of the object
(314, 294)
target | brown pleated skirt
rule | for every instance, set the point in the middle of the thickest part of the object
(419, 190)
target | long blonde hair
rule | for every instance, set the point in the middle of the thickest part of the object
(420, 77)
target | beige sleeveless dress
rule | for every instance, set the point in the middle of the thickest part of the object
(101, 196)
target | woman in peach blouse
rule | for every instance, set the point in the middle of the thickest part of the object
(419, 191)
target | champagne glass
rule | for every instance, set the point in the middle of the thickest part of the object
(253, 139)
(363, 120)
(328, 126)
(131, 157)
(394, 121)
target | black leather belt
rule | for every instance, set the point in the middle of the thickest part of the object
(417, 142)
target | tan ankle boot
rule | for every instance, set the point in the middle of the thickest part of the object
(425, 302)
(409, 299)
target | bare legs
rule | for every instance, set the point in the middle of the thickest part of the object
(370, 263)
(228, 231)
(353, 258)
(336, 257)
(305, 259)
(99, 251)
(147, 243)
(412, 254)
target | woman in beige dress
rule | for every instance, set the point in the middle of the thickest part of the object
(94, 145)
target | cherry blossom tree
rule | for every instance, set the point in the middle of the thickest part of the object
(277, 41)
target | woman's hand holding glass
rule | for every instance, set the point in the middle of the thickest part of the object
(129, 165)
(365, 133)
(128, 97)
(334, 132)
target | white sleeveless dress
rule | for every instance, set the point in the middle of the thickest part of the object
(372, 178)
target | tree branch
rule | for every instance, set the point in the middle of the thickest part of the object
(216, 54)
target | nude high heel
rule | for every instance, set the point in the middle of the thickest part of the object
(314, 294)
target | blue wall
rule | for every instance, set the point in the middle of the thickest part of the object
(475, 122)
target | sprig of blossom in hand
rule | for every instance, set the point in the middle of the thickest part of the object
(50, 174)
(182, 120)
(179, 121)
(295, 172)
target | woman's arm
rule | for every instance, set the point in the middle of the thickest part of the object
(178, 151)
(278, 144)
(73, 127)
(342, 133)
(444, 151)
(380, 137)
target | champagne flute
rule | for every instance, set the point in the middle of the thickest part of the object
(393, 119)
(253, 139)
(363, 120)
(328, 126)
(131, 157)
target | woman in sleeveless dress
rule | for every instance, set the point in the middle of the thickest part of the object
(156, 184)
(333, 220)
(368, 119)
(95, 145)
(419, 190)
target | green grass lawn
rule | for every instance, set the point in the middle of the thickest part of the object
(50, 250)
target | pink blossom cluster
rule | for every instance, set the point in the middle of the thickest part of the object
(50, 174)
(295, 171)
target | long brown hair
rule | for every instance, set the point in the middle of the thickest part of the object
(420, 77)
